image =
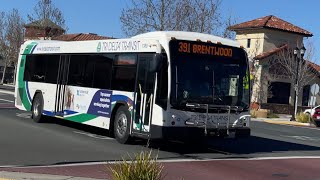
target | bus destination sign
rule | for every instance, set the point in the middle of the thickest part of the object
(206, 49)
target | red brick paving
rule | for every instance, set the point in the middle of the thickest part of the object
(203, 170)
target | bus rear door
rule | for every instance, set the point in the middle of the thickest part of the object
(61, 85)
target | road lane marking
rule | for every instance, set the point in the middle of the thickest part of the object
(304, 138)
(6, 92)
(218, 151)
(24, 115)
(93, 135)
(6, 100)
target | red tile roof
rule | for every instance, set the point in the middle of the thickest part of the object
(271, 52)
(271, 22)
(80, 37)
(263, 55)
(314, 66)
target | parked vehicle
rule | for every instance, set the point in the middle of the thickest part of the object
(312, 110)
(316, 117)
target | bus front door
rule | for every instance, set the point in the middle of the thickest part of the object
(61, 85)
(144, 96)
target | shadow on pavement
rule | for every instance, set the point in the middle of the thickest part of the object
(256, 144)
(239, 146)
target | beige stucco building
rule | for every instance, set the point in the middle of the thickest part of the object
(268, 40)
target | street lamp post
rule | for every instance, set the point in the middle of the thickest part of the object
(298, 56)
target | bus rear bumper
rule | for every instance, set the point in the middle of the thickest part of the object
(180, 133)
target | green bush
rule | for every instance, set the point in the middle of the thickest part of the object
(271, 115)
(142, 167)
(303, 118)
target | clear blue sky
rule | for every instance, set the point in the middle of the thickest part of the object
(102, 16)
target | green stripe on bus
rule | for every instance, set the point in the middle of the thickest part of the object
(80, 118)
(21, 83)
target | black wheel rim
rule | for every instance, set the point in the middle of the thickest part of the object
(121, 125)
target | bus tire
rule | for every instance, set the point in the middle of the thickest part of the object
(121, 125)
(37, 108)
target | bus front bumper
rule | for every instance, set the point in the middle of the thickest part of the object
(180, 133)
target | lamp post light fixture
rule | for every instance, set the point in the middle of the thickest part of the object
(298, 56)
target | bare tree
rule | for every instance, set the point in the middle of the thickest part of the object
(3, 45)
(14, 36)
(182, 15)
(11, 38)
(46, 15)
(297, 69)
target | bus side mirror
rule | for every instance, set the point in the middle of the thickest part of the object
(156, 63)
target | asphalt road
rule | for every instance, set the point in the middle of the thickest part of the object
(25, 143)
(6, 100)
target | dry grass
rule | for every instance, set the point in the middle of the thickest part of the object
(143, 167)
(303, 118)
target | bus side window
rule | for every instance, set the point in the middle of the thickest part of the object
(102, 71)
(124, 72)
(162, 86)
(52, 68)
(81, 71)
(123, 78)
(35, 68)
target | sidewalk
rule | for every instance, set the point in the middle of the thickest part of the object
(283, 119)
(4, 175)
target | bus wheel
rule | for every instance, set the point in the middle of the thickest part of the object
(37, 108)
(122, 125)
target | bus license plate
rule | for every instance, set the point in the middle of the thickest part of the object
(211, 118)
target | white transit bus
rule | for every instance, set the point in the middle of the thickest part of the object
(171, 85)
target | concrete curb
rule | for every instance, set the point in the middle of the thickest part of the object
(4, 175)
(282, 122)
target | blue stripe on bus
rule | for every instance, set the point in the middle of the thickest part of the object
(69, 112)
(118, 97)
(48, 113)
(28, 93)
(33, 48)
(65, 112)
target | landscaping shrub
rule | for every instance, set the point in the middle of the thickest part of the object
(142, 167)
(253, 113)
(302, 117)
(272, 115)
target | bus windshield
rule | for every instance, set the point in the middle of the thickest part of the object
(204, 78)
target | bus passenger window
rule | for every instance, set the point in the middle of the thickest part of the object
(35, 69)
(123, 78)
(80, 71)
(102, 71)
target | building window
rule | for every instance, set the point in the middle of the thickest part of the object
(305, 95)
(248, 43)
(279, 93)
